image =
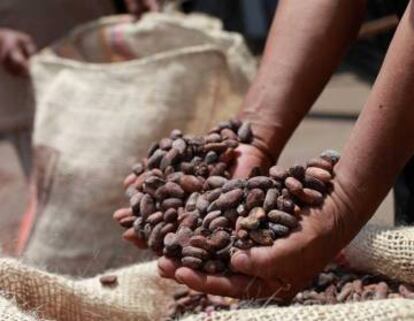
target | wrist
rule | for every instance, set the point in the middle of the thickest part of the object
(267, 136)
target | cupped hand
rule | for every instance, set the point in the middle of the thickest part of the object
(279, 271)
(15, 50)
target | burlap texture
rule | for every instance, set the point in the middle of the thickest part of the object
(383, 250)
(140, 294)
(127, 84)
(382, 310)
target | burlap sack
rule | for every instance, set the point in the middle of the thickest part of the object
(139, 294)
(126, 85)
(383, 250)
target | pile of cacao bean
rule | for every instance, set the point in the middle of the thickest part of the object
(333, 285)
(184, 204)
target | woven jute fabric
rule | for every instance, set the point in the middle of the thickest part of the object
(382, 310)
(139, 294)
(383, 250)
(103, 95)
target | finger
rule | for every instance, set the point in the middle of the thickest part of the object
(237, 286)
(167, 267)
(130, 179)
(16, 62)
(130, 236)
(122, 213)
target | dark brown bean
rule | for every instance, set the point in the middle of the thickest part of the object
(190, 184)
(147, 206)
(108, 280)
(215, 182)
(297, 171)
(171, 158)
(211, 157)
(280, 217)
(190, 220)
(215, 147)
(135, 201)
(218, 222)
(155, 239)
(127, 222)
(180, 145)
(213, 138)
(315, 184)
(228, 134)
(138, 168)
(245, 133)
(255, 197)
(195, 252)
(176, 133)
(263, 237)
(171, 203)
(278, 173)
(210, 217)
(202, 204)
(270, 201)
(212, 195)
(285, 204)
(233, 184)
(262, 182)
(229, 199)
(155, 218)
(170, 215)
(191, 262)
(278, 229)
(201, 241)
(219, 239)
(190, 205)
(330, 155)
(155, 159)
(152, 148)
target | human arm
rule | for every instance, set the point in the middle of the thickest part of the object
(306, 43)
(379, 146)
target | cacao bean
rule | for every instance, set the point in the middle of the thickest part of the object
(297, 171)
(195, 252)
(255, 197)
(155, 159)
(293, 185)
(213, 138)
(155, 239)
(315, 184)
(229, 199)
(155, 218)
(245, 133)
(171, 203)
(190, 184)
(278, 229)
(277, 216)
(211, 157)
(262, 182)
(331, 156)
(191, 262)
(138, 169)
(147, 206)
(320, 163)
(270, 201)
(262, 237)
(219, 222)
(127, 222)
(278, 173)
(176, 133)
(180, 145)
(210, 217)
(215, 147)
(219, 239)
(190, 205)
(202, 204)
(215, 182)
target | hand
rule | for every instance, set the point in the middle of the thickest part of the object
(283, 269)
(248, 158)
(138, 7)
(15, 50)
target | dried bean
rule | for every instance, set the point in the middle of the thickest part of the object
(191, 262)
(229, 199)
(210, 217)
(147, 206)
(278, 229)
(270, 201)
(262, 237)
(331, 156)
(278, 173)
(255, 197)
(262, 182)
(245, 133)
(297, 171)
(320, 163)
(215, 182)
(138, 169)
(219, 239)
(215, 147)
(195, 252)
(127, 222)
(190, 205)
(155, 159)
(155, 218)
(190, 184)
(171, 203)
(280, 217)
(293, 185)
(219, 222)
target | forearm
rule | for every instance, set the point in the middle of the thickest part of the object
(305, 45)
(383, 138)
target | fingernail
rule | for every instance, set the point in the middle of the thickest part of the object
(241, 262)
